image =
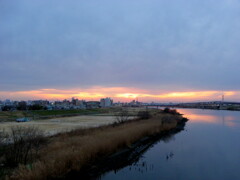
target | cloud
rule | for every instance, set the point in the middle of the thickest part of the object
(121, 94)
(145, 44)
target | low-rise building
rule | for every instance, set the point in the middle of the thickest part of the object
(106, 102)
(93, 104)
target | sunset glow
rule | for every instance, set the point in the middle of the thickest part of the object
(119, 94)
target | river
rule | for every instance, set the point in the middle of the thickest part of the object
(208, 148)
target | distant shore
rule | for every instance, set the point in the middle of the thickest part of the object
(208, 107)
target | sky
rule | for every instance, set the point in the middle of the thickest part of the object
(153, 50)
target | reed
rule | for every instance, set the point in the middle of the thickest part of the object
(76, 149)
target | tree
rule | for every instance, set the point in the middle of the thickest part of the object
(25, 145)
(170, 111)
(6, 108)
(122, 115)
(36, 107)
(22, 106)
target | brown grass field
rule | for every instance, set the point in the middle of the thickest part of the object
(63, 124)
(54, 126)
(73, 150)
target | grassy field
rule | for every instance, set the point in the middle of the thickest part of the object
(45, 114)
(69, 112)
(11, 116)
(72, 151)
(63, 124)
(53, 122)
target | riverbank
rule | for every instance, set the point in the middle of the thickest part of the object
(126, 156)
(208, 148)
(79, 149)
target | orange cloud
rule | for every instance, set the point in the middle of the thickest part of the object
(129, 95)
(118, 94)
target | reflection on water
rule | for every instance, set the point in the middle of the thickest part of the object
(228, 118)
(209, 148)
(134, 161)
(141, 167)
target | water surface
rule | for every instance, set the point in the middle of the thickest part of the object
(208, 148)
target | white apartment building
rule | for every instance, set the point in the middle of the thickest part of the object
(106, 102)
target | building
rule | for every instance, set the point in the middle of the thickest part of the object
(40, 102)
(134, 103)
(78, 104)
(81, 104)
(7, 102)
(106, 102)
(93, 104)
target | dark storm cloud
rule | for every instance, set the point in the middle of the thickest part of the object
(175, 45)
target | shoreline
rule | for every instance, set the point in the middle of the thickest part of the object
(217, 109)
(79, 150)
(125, 156)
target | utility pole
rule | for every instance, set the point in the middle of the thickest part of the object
(222, 101)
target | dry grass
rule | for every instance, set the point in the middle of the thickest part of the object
(63, 124)
(74, 150)
(10, 115)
